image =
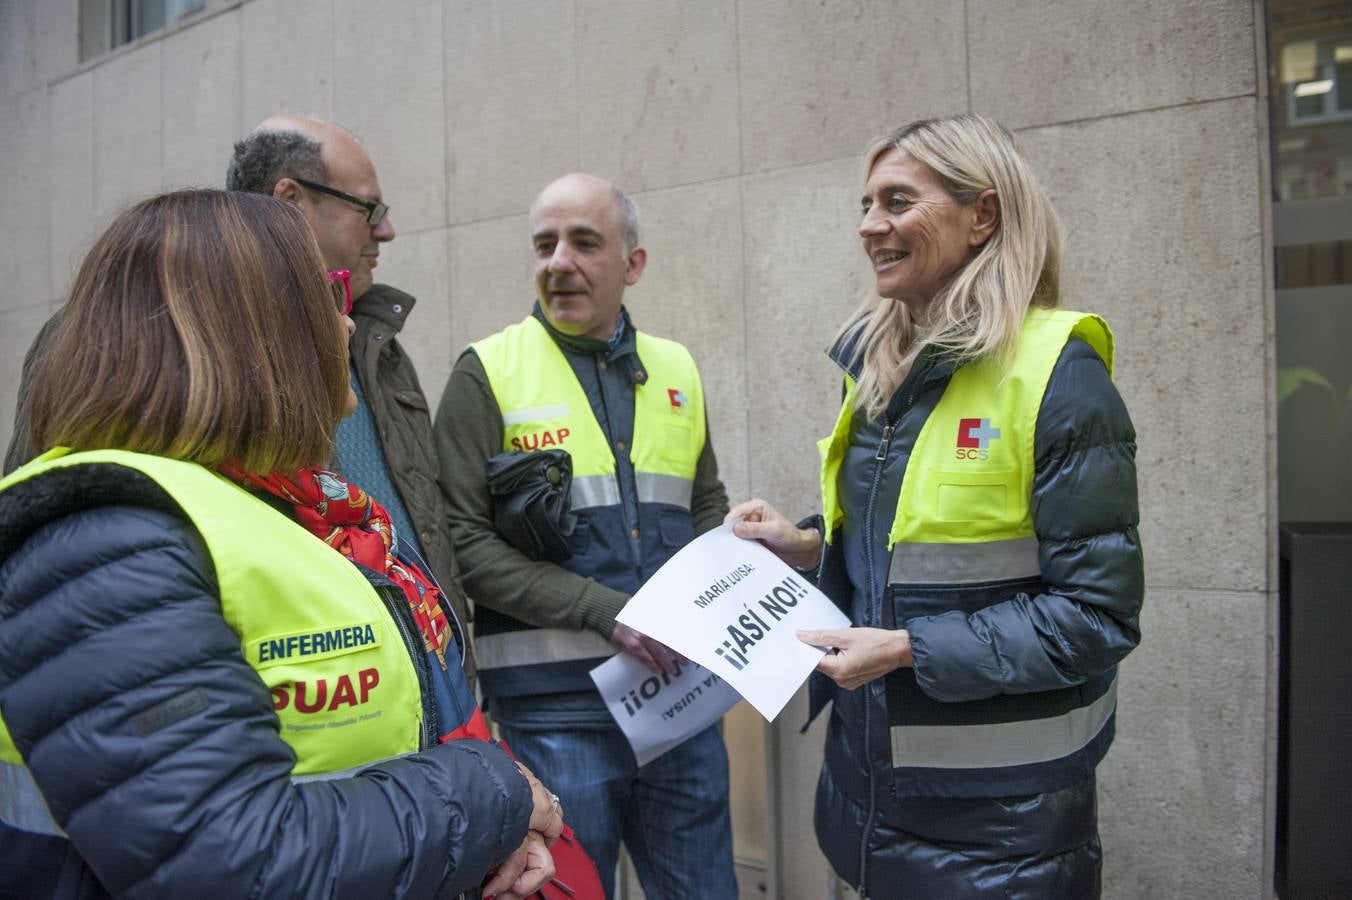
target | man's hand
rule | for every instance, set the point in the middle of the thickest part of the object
(859, 655)
(655, 655)
(524, 872)
(756, 520)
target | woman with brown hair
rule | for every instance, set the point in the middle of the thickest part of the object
(195, 693)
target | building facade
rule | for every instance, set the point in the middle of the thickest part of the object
(739, 126)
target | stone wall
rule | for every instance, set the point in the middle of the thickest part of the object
(739, 127)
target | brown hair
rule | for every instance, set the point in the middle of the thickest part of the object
(199, 327)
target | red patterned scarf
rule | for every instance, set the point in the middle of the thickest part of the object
(350, 521)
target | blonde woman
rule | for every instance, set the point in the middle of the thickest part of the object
(980, 513)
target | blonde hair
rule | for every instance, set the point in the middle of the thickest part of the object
(979, 313)
(199, 327)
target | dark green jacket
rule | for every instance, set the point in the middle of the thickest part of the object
(399, 409)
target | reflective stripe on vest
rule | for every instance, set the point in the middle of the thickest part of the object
(544, 406)
(963, 563)
(591, 491)
(964, 516)
(1001, 743)
(310, 624)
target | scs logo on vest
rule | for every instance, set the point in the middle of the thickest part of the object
(974, 438)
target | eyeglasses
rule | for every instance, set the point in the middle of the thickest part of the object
(341, 284)
(375, 210)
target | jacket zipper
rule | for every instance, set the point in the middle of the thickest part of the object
(871, 515)
(394, 601)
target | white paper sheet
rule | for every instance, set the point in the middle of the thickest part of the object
(658, 712)
(733, 607)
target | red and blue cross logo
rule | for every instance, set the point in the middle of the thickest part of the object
(976, 433)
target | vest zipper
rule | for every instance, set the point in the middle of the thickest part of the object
(875, 618)
(395, 602)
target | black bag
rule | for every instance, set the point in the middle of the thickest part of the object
(531, 501)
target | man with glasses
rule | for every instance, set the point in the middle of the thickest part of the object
(386, 446)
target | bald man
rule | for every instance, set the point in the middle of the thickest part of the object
(386, 446)
(629, 409)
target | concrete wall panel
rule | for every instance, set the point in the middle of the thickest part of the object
(803, 870)
(417, 263)
(1185, 301)
(127, 129)
(635, 124)
(821, 80)
(72, 223)
(201, 88)
(692, 292)
(491, 283)
(804, 274)
(390, 92)
(24, 264)
(1181, 792)
(39, 40)
(1035, 62)
(511, 103)
(289, 59)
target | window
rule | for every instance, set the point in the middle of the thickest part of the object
(105, 24)
(1317, 77)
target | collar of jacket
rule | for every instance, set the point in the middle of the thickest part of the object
(625, 354)
(930, 366)
(384, 304)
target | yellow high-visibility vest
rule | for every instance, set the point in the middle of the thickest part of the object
(969, 479)
(964, 518)
(342, 679)
(544, 407)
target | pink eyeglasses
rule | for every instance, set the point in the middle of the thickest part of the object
(341, 283)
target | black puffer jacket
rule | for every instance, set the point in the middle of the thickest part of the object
(110, 621)
(1064, 631)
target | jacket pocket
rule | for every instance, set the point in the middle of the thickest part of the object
(676, 528)
(580, 540)
(412, 399)
(970, 496)
(678, 441)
